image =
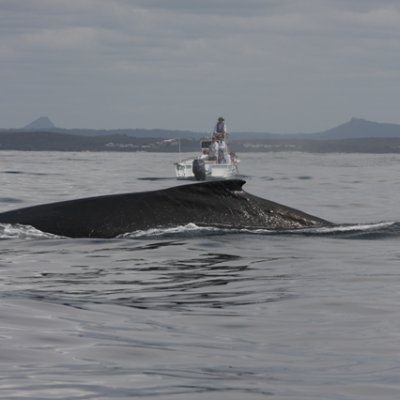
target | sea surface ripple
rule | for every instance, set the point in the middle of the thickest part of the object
(198, 312)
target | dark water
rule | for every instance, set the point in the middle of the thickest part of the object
(196, 313)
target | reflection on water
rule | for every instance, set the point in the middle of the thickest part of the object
(129, 278)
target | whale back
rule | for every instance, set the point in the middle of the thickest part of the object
(218, 203)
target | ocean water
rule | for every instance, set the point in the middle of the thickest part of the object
(195, 313)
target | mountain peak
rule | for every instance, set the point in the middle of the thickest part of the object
(42, 123)
(361, 128)
(361, 121)
(355, 120)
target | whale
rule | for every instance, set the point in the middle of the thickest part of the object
(221, 204)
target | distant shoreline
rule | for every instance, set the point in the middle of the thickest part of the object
(48, 141)
(355, 136)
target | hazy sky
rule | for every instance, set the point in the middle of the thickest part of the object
(265, 65)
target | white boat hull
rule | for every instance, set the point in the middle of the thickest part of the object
(214, 171)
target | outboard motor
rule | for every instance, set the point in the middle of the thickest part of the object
(199, 169)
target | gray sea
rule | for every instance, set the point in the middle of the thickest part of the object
(194, 313)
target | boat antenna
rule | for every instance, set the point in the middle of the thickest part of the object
(179, 145)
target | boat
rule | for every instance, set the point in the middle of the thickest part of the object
(204, 168)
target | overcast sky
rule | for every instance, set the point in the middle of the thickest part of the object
(265, 65)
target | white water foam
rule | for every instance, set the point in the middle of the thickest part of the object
(177, 230)
(18, 231)
(193, 229)
(348, 228)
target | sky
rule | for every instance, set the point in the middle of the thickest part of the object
(281, 66)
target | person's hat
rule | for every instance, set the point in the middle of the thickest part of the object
(221, 119)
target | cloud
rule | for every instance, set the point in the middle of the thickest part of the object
(186, 60)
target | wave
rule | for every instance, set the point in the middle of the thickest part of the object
(375, 231)
(19, 231)
(379, 230)
(181, 230)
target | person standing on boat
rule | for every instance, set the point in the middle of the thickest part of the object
(220, 129)
(220, 132)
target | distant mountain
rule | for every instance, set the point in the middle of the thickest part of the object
(45, 124)
(48, 140)
(40, 124)
(358, 128)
